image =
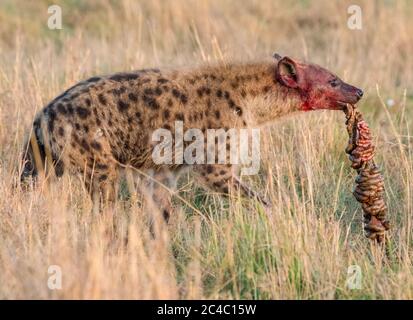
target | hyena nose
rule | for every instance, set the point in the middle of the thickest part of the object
(359, 93)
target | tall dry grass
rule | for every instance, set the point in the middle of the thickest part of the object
(213, 248)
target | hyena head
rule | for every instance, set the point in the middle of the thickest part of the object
(318, 88)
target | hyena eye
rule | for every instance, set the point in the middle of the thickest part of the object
(334, 82)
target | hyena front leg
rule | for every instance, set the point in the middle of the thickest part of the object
(102, 183)
(222, 178)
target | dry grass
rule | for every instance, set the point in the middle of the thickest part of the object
(223, 249)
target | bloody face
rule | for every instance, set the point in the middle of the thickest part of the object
(317, 87)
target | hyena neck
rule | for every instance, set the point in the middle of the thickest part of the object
(266, 100)
(254, 87)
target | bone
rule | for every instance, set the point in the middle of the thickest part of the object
(369, 189)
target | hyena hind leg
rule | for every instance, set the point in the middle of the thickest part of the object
(158, 189)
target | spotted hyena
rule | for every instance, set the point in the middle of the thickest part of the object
(105, 123)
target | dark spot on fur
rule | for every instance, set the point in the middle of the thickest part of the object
(58, 166)
(124, 77)
(218, 184)
(61, 108)
(61, 132)
(52, 118)
(158, 91)
(203, 90)
(200, 92)
(166, 114)
(219, 93)
(162, 80)
(70, 109)
(180, 116)
(103, 177)
(85, 145)
(87, 101)
(209, 168)
(184, 98)
(82, 112)
(123, 106)
(176, 93)
(86, 128)
(102, 99)
(170, 103)
(132, 97)
(217, 114)
(119, 91)
(101, 166)
(266, 89)
(96, 145)
(93, 79)
(151, 102)
(148, 91)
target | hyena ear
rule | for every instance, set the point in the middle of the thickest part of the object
(287, 72)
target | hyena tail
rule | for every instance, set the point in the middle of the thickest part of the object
(38, 157)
